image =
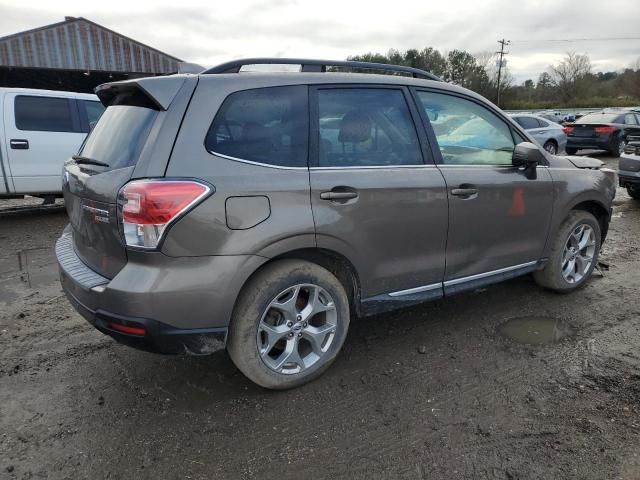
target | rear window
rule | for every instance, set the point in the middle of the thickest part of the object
(264, 125)
(119, 136)
(527, 123)
(43, 114)
(600, 118)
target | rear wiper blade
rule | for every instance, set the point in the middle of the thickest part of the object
(89, 161)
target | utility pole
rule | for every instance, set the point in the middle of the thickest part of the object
(502, 53)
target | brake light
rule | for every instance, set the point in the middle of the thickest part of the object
(150, 206)
(604, 129)
(567, 129)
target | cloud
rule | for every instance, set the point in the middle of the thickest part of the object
(212, 32)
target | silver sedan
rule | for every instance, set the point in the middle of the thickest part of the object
(548, 134)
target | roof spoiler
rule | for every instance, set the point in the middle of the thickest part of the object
(159, 91)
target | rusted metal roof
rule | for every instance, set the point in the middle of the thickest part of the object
(80, 44)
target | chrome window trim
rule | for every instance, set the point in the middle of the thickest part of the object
(372, 167)
(478, 276)
(410, 291)
(258, 164)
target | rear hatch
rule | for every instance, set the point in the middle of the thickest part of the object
(125, 138)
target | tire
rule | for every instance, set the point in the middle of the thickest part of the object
(618, 147)
(634, 191)
(571, 151)
(267, 304)
(551, 146)
(551, 276)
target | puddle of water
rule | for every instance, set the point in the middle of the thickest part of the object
(30, 269)
(535, 330)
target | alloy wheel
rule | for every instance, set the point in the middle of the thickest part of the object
(550, 147)
(297, 328)
(578, 254)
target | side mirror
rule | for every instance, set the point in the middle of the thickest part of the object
(527, 156)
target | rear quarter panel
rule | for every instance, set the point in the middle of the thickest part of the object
(288, 223)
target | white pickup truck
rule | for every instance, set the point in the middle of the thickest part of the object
(39, 130)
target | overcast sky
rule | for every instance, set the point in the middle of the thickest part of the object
(210, 32)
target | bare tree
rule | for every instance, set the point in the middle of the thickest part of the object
(571, 75)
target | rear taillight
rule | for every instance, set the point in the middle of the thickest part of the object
(148, 207)
(567, 129)
(604, 129)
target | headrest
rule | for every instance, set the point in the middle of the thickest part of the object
(355, 127)
(254, 132)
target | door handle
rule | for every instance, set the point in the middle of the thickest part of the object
(19, 144)
(465, 191)
(338, 195)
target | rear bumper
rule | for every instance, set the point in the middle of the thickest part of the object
(183, 304)
(595, 143)
(158, 337)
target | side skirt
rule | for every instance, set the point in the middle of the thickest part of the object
(406, 298)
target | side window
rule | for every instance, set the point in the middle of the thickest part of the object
(630, 119)
(361, 127)
(265, 125)
(543, 123)
(467, 133)
(93, 110)
(43, 114)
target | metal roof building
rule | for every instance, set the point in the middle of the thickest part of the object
(77, 54)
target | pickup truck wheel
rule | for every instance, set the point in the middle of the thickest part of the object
(289, 324)
(634, 191)
(571, 151)
(574, 253)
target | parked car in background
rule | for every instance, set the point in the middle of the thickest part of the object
(39, 130)
(259, 212)
(605, 130)
(629, 167)
(548, 134)
(555, 117)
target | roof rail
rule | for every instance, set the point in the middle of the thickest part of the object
(308, 65)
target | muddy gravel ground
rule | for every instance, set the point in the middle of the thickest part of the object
(438, 391)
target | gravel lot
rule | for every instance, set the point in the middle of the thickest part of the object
(437, 391)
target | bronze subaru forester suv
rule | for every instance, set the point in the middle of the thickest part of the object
(259, 212)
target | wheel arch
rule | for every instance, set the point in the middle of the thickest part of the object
(336, 263)
(599, 211)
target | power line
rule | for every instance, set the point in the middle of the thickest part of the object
(502, 53)
(569, 40)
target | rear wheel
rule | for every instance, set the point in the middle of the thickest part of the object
(551, 147)
(574, 253)
(571, 151)
(634, 191)
(289, 324)
(618, 147)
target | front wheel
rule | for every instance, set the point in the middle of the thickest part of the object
(574, 253)
(289, 324)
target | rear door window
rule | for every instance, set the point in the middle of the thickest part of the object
(361, 127)
(264, 125)
(120, 135)
(44, 114)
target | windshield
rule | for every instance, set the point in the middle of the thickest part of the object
(600, 118)
(119, 135)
